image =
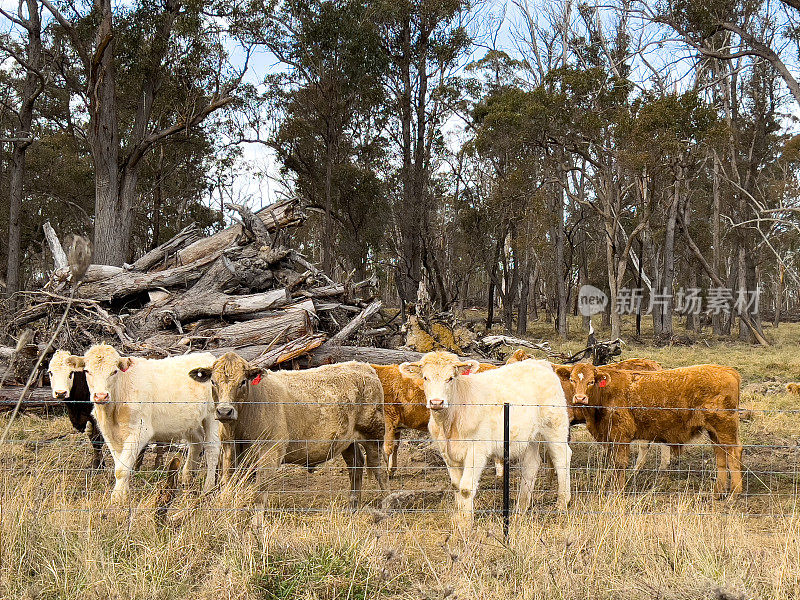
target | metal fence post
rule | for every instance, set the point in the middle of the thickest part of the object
(506, 471)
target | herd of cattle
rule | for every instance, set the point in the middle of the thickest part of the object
(260, 419)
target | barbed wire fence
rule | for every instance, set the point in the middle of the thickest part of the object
(45, 449)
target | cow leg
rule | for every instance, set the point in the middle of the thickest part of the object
(372, 453)
(269, 456)
(666, 456)
(211, 452)
(161, 448)
(560, 457)
(355, 469)
(192, 457)
(391, 442)
(140, 459)
(620, 455)
(474, 462)
(125, 462)
(228, 461)
(498, 467)
(728, 451)
(530, 462)
(642, 447)
(96, 438)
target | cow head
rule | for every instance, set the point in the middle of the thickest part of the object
(519, 356)
(439, 372)
(102, 365)
(61, 374)
(231, 377)
(585, 378)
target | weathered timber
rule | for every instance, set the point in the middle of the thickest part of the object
(289, 323)
(345, 332)
(59, 256)
(217, 304)
(379, 356)
(37, 398)
(129, 283)
(252, 223)
(281, 214)
(61, 277)
(290, 350)
(160, 254)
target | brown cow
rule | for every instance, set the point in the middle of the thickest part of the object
(670, 407)
(297, 417)
(576, 416)
(404, 408)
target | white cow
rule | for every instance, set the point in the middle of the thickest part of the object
(467, 420)
(139, 400)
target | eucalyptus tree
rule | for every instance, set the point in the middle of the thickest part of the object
(145, 72)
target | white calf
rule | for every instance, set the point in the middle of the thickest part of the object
(467, 420)
(138, 400)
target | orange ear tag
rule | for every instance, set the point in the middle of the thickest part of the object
(256, 379)
(602, 383)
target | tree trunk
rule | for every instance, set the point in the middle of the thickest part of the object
(14, 225)
(30, 92)
(327, 242)
(112, 224)
(522, 311)
(158, 200)
(778, 295)
(561, 285)
(669, 261)
(717, 318)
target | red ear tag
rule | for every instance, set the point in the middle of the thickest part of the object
(602, 383)
(256, 379)
(126, 368)
(466, 372)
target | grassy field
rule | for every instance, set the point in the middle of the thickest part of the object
(665, 538)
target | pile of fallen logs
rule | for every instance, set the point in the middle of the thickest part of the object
(242, 289)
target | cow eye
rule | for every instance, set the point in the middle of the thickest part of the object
(424, 379)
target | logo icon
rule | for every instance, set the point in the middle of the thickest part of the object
(591, 300)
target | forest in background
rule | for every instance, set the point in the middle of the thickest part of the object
(504, 154)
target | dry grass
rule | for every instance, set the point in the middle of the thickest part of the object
(665, 538)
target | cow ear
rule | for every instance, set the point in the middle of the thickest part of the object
(468, 367)
(564, 372)
(254, 374)
(76, 363)
(410, 370)
(200, 374)
(125, 363)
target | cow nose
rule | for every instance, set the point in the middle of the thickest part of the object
(62, 395)
(436, 403)
(580, 399)
(226, 412)
(101, 397)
